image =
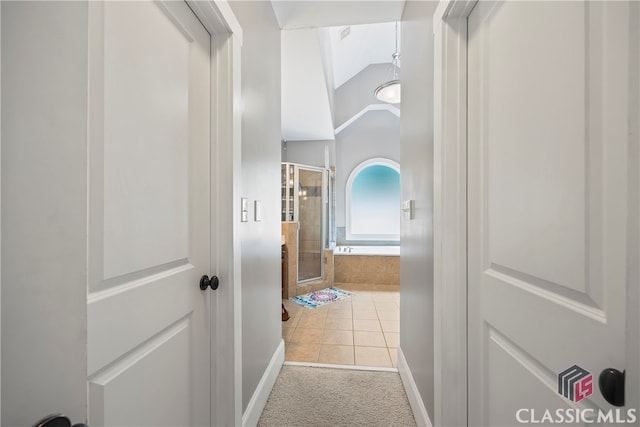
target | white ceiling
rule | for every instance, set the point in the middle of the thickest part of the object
(329, 13)
(364, 45)
(314, 62)
(306, 110)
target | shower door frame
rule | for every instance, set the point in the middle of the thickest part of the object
(323, 230)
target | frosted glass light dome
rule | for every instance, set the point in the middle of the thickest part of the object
(389, 92)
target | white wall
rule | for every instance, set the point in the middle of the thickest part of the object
(306, 107)
(261, 274)
(44, 207)
(357, 93)
(309, 152)
(375, 134)
(416, 154)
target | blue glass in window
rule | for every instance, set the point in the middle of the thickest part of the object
(375, 201)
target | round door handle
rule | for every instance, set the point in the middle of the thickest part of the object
(611, 383)
(205, 282)
(57, 420)
(54, 420)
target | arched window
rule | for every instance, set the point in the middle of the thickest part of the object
(373, 201)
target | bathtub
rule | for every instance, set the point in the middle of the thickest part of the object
(367, 250)
(367, 265)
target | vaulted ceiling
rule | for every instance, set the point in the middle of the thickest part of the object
(355, 47)
(324, 44)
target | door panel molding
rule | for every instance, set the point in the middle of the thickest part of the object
(553, 292)
(147, 165)
(138, 278)
(527, 376)
(125, 338)
(121, 364)
(162, 404)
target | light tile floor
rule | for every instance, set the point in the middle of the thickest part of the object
(362, 330)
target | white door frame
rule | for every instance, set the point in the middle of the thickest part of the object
(450, 219)
(450, 212)
(226, 310)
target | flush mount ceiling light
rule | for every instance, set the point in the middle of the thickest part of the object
(390, 90)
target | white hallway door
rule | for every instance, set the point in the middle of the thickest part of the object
(548, 142)
(149, 231)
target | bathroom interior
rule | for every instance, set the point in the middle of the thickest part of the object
(340, 193)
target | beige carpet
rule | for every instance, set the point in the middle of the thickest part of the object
(307, 396)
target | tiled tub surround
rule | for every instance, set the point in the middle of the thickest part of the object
(362, 330)
(367, 265)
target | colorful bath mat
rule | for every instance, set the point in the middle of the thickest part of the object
(318, 298)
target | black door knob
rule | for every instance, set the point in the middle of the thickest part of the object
(611, 383)
(205, 282)
(54, 420)
(57, 420)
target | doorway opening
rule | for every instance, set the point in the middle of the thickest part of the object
(332, 121)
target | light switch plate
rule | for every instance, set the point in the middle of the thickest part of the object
(244, 209)
(408, 209)
(257, 210)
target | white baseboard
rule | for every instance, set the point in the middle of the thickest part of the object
(255, 407)
(415, 400)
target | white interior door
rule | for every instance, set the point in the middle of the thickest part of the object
(548, 89)
(149, 238)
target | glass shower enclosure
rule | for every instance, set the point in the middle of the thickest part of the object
(304, 200)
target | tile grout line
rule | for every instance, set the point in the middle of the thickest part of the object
(353, 326)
